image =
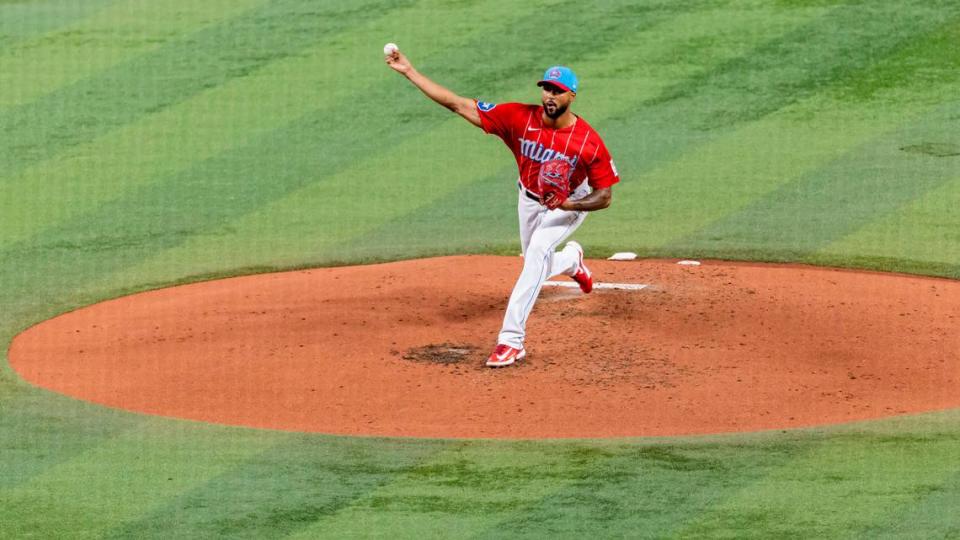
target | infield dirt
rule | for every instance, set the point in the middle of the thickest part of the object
(398, 349)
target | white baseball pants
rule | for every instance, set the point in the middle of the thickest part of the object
(541, 231)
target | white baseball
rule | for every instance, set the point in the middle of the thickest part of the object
(390, 48)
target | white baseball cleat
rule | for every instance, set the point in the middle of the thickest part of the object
(582, 276)
(504, 355)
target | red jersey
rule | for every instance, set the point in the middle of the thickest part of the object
(521, 128)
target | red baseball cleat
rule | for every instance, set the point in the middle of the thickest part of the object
(583, 276)
(504, 355)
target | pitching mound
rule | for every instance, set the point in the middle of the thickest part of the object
(398, 349)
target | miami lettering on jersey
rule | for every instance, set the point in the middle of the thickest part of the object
(541, 154)
(533, 143)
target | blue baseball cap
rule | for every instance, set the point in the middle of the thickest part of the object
(561, 76)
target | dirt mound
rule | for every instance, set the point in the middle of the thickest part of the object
(398, 349)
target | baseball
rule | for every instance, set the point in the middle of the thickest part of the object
(390, 48)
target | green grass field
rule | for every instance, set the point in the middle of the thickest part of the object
(147, 143)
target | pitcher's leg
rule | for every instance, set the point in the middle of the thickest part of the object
(565, 262)
(538, 266)
(530, 213)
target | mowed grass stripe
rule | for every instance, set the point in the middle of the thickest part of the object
(679, 52)
(926, 229)
(155, 146)
(643, 489)
(121, 479)
(295, 482)
(828, 202)
(735, 167)
(457, 493)
(429, 170)
(811, 59)
(324, 213)
(124, 30)
(188, 65)
(39, 431)
(23, 20)
(843, 487)
(869, 180)
(933, 515)
(605, 488)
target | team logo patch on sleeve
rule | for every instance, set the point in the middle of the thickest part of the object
(485, 106)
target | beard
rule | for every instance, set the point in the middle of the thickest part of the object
(557, 111)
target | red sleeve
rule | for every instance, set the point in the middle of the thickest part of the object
(499, 119)
(601, 172)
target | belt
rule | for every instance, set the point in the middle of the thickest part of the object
(530, 195)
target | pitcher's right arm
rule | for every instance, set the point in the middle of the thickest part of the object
(465, 107)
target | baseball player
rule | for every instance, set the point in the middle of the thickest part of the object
(565, 172)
